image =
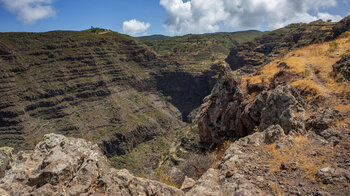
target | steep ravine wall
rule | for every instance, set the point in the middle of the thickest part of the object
(185, 90)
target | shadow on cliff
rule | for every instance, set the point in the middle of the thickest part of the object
(186, 91)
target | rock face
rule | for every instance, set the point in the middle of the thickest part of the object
(217, 118)
(69, 166)
(342, 67)
(227, 113)
(285, 107)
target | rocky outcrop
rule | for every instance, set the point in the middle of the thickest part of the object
(272, 163)
(220, 110)
(69, 166)
(228, 113)
(342, 67)
(285, 107)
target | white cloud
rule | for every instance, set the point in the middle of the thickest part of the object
(134, 27)
(326, 16)
(200, 16)
(29, 11)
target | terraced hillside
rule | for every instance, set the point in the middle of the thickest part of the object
(81, 84)
(95, 84)
(194, 53)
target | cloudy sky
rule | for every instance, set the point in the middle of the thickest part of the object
(169, 17)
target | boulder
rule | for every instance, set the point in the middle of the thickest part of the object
(187, 184)
(285, 107)
(329, 175)
(70, 166)
(285, 142)
(322, 119)
(273, 133)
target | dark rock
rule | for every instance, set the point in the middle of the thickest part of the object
(217, 119)
(273, 133)
(342, 67)
(290, 166)
(285, 107)
(341, 27)
(328, 133)
(330, 175)
(323, 119)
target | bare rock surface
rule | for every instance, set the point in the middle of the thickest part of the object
(285, 107)
(228, 112)
(286, 165)
(187, 184)
(218, 114)
(69, 166)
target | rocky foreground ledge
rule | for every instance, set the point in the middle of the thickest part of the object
(264, 163)
(62, 165)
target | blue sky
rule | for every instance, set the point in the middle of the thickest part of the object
(169, 17)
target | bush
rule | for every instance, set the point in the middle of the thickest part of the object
(197, 164)
(333, 46)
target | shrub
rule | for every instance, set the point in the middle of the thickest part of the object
(197, 164)
(333, 46)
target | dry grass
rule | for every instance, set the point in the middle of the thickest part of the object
(309, 88)
(313, 65)
(276, 189)
(300, 153)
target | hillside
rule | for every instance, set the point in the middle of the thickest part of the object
(195, 53)
(82, 84)
(98, 85)
(249, 56)
(287, 125)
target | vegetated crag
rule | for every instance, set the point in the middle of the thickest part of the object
(248, 56)
(229, 113)
(68, 166)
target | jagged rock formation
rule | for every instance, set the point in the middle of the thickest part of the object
(220, 109)
(69, 166)
(227, 112)
(248, 56)
(285, 107)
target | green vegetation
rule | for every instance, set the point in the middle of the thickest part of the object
(196, 53)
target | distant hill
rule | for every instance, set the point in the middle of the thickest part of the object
(197, 52)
